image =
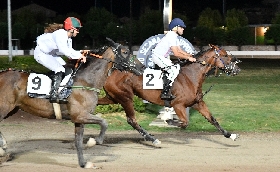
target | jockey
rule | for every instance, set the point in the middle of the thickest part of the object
(48, 44)
(170, 43)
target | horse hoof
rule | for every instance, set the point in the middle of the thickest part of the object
(156, 142)
(99, 141)
(91, 142)
(91, 165)
(234, 136)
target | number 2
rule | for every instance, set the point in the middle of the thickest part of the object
(151, 77)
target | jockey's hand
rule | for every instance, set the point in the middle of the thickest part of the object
(191, 59)
(85, 51)
(84, 59)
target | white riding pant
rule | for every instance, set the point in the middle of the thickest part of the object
(51, 60)
(167, 65)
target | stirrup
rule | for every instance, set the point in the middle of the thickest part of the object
(63, 101)
(167, 97)
(53, 100)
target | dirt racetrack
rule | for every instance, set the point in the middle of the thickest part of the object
(38, 144)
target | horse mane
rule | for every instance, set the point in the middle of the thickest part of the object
(186, 62)
(52, 27)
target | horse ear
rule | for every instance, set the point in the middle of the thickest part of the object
(211, 45)
(111, 41)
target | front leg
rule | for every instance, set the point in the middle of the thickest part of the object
(203, 109)
(79, 134)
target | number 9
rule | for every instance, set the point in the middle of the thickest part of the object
(36, 81)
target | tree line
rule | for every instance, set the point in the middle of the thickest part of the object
(98, 23)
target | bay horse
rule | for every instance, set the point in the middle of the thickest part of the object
(120, 88)
(81, 104)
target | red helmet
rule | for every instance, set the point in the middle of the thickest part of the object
(72, 23)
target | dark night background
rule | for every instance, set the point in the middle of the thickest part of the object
(258, 12)
(121, 7)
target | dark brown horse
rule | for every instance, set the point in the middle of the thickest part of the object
(81, 103)
(121, 87)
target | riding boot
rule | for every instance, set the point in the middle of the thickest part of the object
(56, 80)
(166, 93)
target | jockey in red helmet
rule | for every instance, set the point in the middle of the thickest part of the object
(72, 24)
(59, 41)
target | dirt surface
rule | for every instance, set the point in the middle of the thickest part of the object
(38, 144)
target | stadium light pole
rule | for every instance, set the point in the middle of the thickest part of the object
(130, 25)
(10, 31)
(224, 8)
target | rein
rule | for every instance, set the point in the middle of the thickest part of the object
(86, 88)
(78, 65)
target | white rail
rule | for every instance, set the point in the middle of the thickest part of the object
(256, 54)
(238, 54)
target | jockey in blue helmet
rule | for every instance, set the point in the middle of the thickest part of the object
(176, 22)
(170, 43)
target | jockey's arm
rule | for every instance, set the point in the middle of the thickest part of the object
(178, 52)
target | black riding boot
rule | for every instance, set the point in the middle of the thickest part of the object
(166, 93)
(57, 78)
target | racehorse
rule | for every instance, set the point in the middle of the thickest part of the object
(121, 87)
(81, 104)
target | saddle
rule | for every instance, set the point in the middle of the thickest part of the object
(39, 85)
(154, 78)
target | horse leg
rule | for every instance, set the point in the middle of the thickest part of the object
(5, 111)
(79, 134)
(93, 119)
(130, 114)
(105, 101)
(203, 109)
(3, 145)
(182, 115)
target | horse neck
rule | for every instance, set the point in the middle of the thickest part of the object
(94, 75)
(109, 55)
(196, 72)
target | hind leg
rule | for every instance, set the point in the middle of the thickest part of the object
(3, 146)
(93, 119)
(182, 115)
(3, 142)
(105, 101)
(203, 109)
(131, 120)
(79, 121)
(5, 111)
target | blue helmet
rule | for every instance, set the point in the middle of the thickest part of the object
(176, 22)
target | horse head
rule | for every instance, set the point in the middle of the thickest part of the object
(124, 60)
(218, 58)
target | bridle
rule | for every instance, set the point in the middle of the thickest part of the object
(120, 62)
(228, 68)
